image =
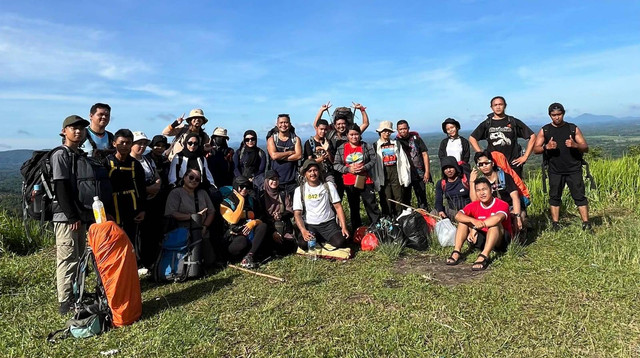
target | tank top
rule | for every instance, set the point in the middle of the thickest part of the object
(562, 160)
(286, 169)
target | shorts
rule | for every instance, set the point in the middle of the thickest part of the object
(326, 230)
(501, 246)
(574, 181)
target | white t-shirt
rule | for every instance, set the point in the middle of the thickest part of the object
(317, 203)
(454, 148)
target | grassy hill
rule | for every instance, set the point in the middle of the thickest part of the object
(566, 293)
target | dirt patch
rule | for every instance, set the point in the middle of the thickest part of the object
(433, 268)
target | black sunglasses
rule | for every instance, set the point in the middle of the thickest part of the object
(192, 143)
(249, 139)
(243, 186)
(193, 178)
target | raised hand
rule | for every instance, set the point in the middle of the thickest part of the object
(358, 106)
(570, 143)
(552, 144)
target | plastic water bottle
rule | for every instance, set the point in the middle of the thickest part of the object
(311, 244)
(36, 197)
(98, 210)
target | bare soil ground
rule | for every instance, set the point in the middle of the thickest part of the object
(432, 267)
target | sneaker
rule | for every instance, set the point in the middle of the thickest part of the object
(248, 262)
(143, 271)
(586, 226)
(555, 226)
(65, 307)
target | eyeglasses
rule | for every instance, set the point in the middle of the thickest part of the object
(249, 139)
(482, 164)
(192, 143)
(243, 186)
(193, 178)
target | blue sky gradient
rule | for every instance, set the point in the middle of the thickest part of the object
(243, 62)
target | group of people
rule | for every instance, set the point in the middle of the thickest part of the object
(247, 204)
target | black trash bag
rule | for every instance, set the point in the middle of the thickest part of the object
(388, 230)
(415, 230)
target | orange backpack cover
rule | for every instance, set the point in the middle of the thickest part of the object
(503, 163)
(118, 270)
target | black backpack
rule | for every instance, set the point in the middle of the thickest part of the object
(90, 179)
(92, 313)
(580, 157)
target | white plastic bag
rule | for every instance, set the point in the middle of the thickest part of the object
(446, 232)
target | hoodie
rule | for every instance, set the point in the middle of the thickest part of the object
(457, 191)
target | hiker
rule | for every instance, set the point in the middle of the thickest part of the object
(392, 172)
(502, 186)
(454, 186)
(484, 224)
(454, 144)
(218, 158)
(69, 229)
(320, 149)
(277, 214)
(99, 138)
(190, 157)
(356, 160)
(502, 132)
(246, 233)
(337, 132)
(285, 150)
(193, 124)
(150, 231)
(191, 207)
(418, 155)
(158, 145)
(315, 207)
(249, 160)
(563, 145)
(128, 182)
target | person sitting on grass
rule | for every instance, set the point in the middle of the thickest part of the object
(454, 186)
(484, 224)
(277, 214)
(315, 206)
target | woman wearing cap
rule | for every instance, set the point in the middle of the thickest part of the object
(194, 124)
(246, 232)
(356, 161)
(250, 161)
(155, 205)
(454, 145)
(190, 158)
(392, 171)
(277, 213)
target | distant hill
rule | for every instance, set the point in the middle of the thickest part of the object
(13, 159)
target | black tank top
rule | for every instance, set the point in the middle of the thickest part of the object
(562, 160)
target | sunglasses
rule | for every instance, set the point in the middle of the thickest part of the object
(482, 164)
(192, 143)
(193, 178)
(242, 186)
(249, 139)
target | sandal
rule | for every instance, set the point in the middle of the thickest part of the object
(455, 261)
(483, 264)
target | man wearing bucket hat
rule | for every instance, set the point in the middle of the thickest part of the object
(315, 206)
(69, 230)
(194, 124)
(454, 145)
(392, 172)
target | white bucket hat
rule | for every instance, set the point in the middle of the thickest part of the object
(137, 135)
(385, 125)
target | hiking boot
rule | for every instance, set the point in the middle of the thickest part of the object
(555, 226)
(65, 307)
(586, 226)
(248, 262)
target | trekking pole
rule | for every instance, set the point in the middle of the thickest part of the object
(421, 211)
(256, 273)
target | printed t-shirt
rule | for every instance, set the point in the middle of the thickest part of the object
(351, 156)
(317, 204)
(389, 157)
(478, 211)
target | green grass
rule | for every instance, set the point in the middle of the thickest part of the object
(568, 293)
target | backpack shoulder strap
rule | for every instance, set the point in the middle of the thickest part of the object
(178, 167)
(312, 144)
(326, 187)
(304, 207)
(94, 146)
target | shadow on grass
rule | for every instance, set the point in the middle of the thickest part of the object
(191, 293)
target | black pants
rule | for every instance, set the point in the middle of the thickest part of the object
(240, 245)
(339, 184)
(151, 230)
(370, 205)
(325, 232)
(574, 181)
(421, 193)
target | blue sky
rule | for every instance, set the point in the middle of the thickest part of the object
(243, 62)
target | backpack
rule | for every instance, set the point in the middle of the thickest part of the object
(545, 159)
(343, 112)
(273, 133)
(93, 315)
(465, 182)
(94, 147)
(326, 187)
(510, 123)
(91, 179)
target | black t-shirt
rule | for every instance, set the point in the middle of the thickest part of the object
(562, 160)
(317, 150)
(502, 135)
(414, 146)
(503, 190)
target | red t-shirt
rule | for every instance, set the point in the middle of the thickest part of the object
(477, 210)
(353, 155)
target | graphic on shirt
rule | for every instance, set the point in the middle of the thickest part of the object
(388, 155)
(498, 139)
(354, 157)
